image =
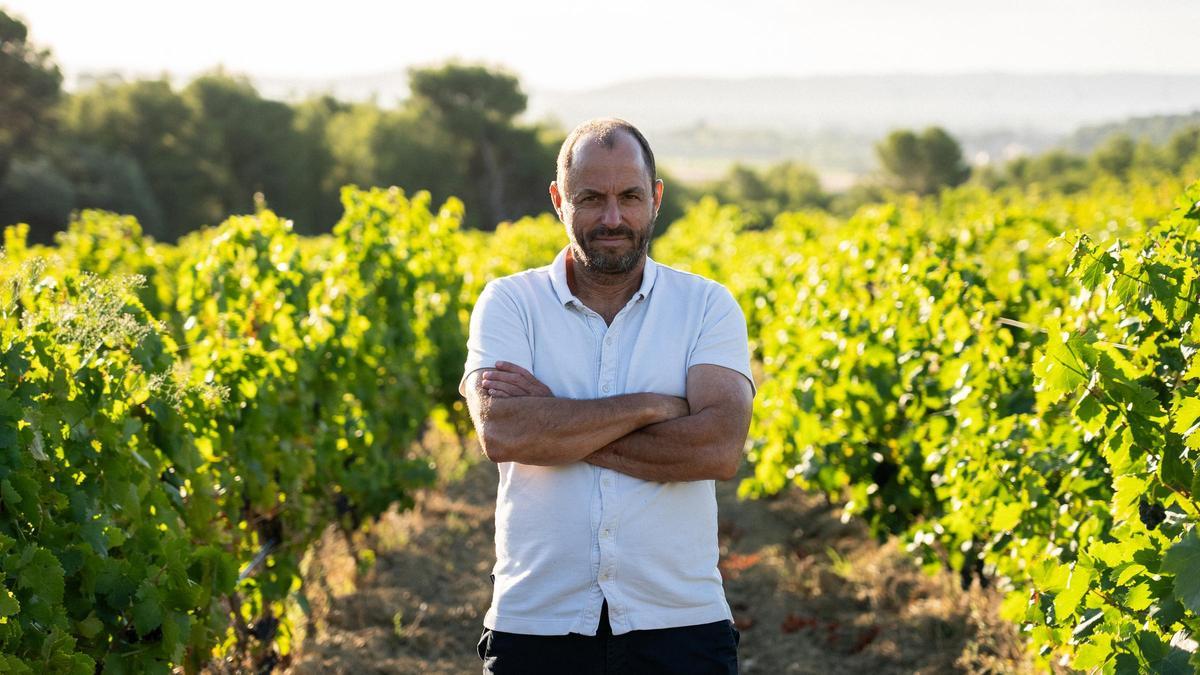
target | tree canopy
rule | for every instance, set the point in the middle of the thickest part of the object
(923, 163)
(31, 83)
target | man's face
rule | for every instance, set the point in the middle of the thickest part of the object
(608, 204)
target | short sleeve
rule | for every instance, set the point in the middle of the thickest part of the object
(498, 333)
(723, 340)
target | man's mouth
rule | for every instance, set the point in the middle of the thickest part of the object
(615, 236)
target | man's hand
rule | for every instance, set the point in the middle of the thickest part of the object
(509, 379)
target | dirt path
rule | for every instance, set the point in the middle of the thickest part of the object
(810, 594)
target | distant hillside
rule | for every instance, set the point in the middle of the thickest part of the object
(854, 104)
(702, 152)
(874, 104)
(1156, 129)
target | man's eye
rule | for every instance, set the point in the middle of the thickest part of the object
(632, 197)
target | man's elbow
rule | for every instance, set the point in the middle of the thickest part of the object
(496, 446)
(730, 462)
(728, 470)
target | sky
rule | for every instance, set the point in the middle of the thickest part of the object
(573, 46)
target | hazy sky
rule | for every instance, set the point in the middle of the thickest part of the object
(570, 45)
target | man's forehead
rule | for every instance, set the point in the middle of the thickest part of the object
(617, 149)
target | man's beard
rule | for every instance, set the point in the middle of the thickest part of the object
(597, 259)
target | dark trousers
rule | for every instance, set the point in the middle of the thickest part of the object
(691, 650)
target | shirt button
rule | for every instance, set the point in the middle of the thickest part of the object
(608, 340)
(604, 576)
(606, 532)
(605, 387)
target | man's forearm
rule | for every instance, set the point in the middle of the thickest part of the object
(548, 431)
(695, 447)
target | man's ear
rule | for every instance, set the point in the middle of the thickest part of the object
(658, 195)
(556, 198)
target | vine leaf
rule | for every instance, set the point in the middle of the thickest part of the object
(9, 605)
(1183, 560)
(1186, 416)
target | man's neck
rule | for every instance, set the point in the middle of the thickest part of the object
(604, 294)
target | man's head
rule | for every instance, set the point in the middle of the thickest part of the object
(607, 194)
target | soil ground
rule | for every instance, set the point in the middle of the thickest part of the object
(810, 593)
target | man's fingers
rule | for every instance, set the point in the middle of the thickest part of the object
(490, 376)
(507, 388)
(514, 368)
(514, 384)
(535, 386)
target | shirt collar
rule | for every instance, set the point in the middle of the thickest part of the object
(558, 278)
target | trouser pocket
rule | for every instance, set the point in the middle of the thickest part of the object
(481, 647)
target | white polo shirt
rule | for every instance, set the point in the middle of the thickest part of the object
(570, 536)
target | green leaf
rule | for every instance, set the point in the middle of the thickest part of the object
(1186, 415)
(1059, 371)
(1128, 489)
(1183, 560)
(82, 664)
(1092, 274)
(148, 610)
(1128, 664)
(9, 605)
(90, 627)
(1161, 657)
(1094, 653)
(1067, 602)
(11, 665)
(1193, 371)
(1006, 516)
(43, 575)
(1128, 571)
(1139, 597)
(8, 494)
(1127, 289)
(1090, 414)
(1174, 469)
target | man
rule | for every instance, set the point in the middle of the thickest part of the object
(611, 392)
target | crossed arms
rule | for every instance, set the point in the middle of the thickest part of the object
(650, 436)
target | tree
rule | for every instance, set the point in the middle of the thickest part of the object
(253, 138)
(795, 186)
(110, 181)
(150, 122)
(786, 186)
(322, 206)
(1056, 170)
(34, 192)
(31, 84)
(922, 163)
(1184, 147)
(478, 107)
(1115, 156)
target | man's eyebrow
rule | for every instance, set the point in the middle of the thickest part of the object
(638, 190)
(584, 192)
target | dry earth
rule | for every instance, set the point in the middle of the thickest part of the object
(810, 594)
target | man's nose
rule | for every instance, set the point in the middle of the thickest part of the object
(611, 217)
